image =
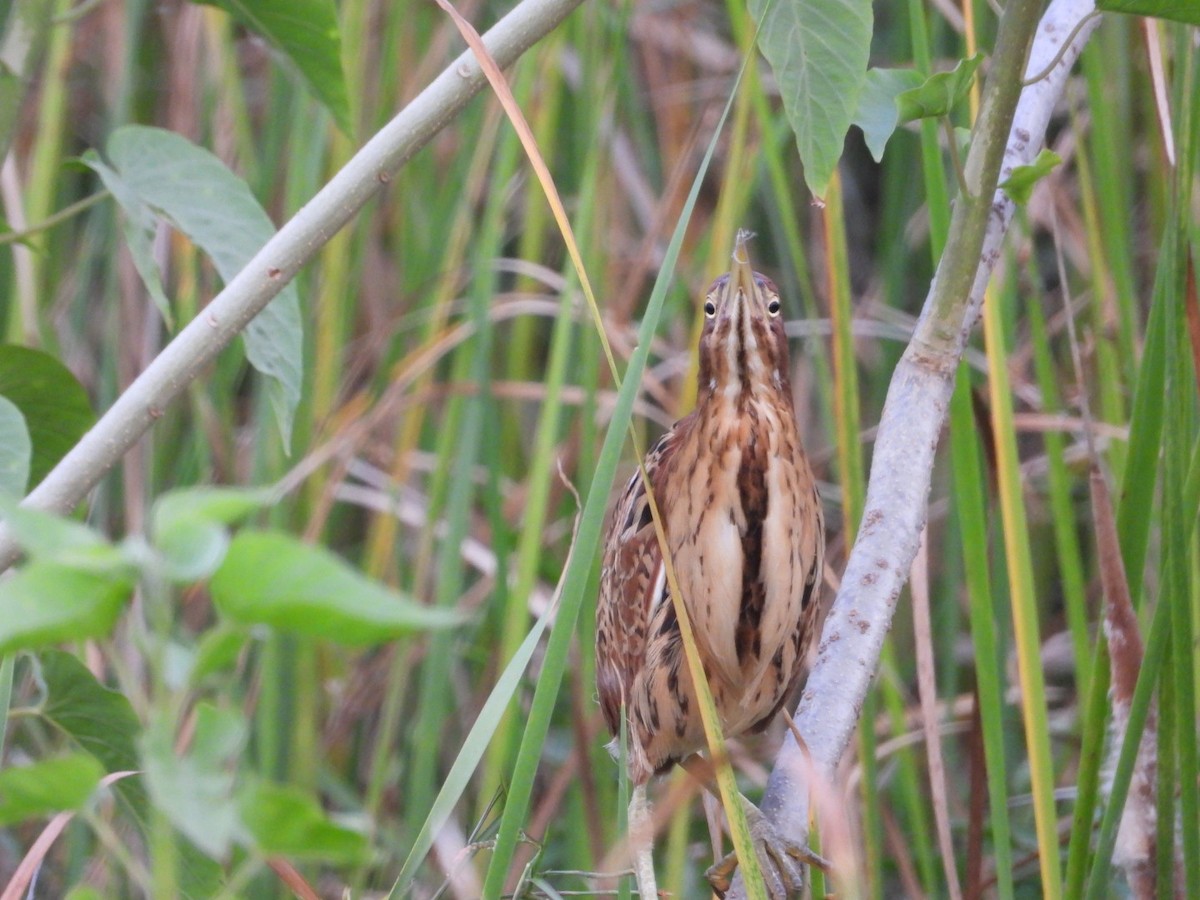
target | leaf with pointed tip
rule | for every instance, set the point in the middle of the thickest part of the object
(199, 196)
(939, 93)
(818, 50)
(307, 33)
(1023, 179)
(138, 224)
(47, 786)
(55, 406)
(877, 114)
(94, 718)
(269, 578)
(47, 603)
(284, 821)
(45, 536)
(196, 789)
(188, 527)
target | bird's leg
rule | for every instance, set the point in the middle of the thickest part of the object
(780, 860)
(641, 837)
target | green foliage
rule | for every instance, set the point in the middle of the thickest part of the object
(939, 93)
(307, 33)
(48, 786)
(195, 790)
(155, 170)
(818, 50)
(877, 114)
(1020, 183)
(284, 821)
(1186, 11)
(47, 603)
(52, 402)
(272, 579)
(89, 715)
(16, 449)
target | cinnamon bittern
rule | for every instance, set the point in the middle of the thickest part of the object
(745, 536)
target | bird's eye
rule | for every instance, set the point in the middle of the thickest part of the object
(710, 309)
(773, 307)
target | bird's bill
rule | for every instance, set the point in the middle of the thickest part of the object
(741, 274)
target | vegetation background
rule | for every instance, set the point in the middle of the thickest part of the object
(453, 400)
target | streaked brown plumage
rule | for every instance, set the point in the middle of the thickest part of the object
(744, 528)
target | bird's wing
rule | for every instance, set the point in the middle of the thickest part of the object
(631, 579)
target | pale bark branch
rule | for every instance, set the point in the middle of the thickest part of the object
(918, 398)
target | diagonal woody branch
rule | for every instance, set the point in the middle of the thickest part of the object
(280, 259)
(1009, 132)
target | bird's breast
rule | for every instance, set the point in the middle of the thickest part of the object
(737, 534)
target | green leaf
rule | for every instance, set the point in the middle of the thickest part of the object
(52, 538)
(1186, 11)
(269, 578)
(818, 50)
(53, 402)
(47, 603)
(284, 821)
(95, 719)
(940, 92)
(218, 650)
(196, 791)
(307, 33)
(191, 551)
(188, 527)
(138, 224)
(199, 196)
(46, 787)
(1020, 183)
(877, 114)
(218, 505)
(16, 450)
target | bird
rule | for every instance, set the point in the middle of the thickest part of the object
(744, 532)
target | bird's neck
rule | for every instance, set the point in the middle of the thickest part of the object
(736, 395)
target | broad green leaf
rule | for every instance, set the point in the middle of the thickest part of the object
(94, 718)
(198, 195)
(1020, 184)
(16, 449)
(46, 603)
(188, 527)
(48, 786)
(219, 505)
(138, 224)
(54, 404)
(191, 551)
(940, 92)
(196, 791)
(83, 892)
(877, 114)
(273, 579)
(52, 538)
(818, 50)
(284, 821)
(1186, 11)
(307, 33)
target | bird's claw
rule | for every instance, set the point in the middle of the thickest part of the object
(781, 861)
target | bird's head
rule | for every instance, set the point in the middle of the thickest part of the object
(743, 348)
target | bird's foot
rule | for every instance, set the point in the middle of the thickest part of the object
(781, 861)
